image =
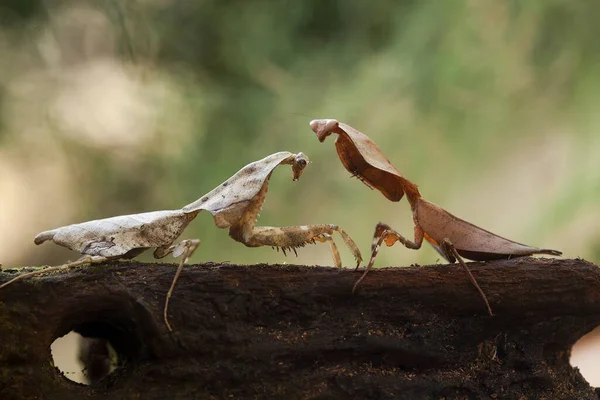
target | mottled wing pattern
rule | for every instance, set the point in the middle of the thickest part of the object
(228, 201)
(116, 236)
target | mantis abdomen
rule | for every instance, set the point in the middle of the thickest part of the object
(470, 241)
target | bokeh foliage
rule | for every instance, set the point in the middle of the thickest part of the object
(488, 105)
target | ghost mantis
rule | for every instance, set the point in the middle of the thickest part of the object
(234, 204)
(451, 236)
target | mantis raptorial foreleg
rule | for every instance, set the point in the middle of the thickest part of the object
(185, 249)
(337, 260)
(292, 237)
(234, 204)
(80, 261)
(384, 233)
(452, 255)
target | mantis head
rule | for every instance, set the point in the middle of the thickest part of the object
(300, 162)
(323, 127)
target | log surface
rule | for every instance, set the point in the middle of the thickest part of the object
(297, 332)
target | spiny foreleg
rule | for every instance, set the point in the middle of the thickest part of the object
(332, 246)
(292, 237)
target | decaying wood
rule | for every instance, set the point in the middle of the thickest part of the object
(295, 332)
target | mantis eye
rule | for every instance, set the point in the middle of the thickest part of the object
(300, 162)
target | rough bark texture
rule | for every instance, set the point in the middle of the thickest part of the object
(295, 332)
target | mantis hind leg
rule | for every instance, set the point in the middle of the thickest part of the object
(183, 249)
(384, 233)
(81, 261)
(452, 255)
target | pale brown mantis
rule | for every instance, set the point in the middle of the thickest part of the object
(451, 236)
(234, 204)
(122, 237)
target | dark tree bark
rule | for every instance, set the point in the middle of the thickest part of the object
(295, 332)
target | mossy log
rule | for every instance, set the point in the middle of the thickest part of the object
(297, 332)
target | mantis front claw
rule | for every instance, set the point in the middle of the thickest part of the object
(292, 237)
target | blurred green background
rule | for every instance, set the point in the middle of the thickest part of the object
(117, 107)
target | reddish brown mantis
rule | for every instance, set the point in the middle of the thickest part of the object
(452, 237)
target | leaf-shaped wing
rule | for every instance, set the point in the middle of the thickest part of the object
(471, 241)
(228, 201)
(116, 236)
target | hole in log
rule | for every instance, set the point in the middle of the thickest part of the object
(92, 350)
(585, 355)
(82, 359)
(101, 336)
